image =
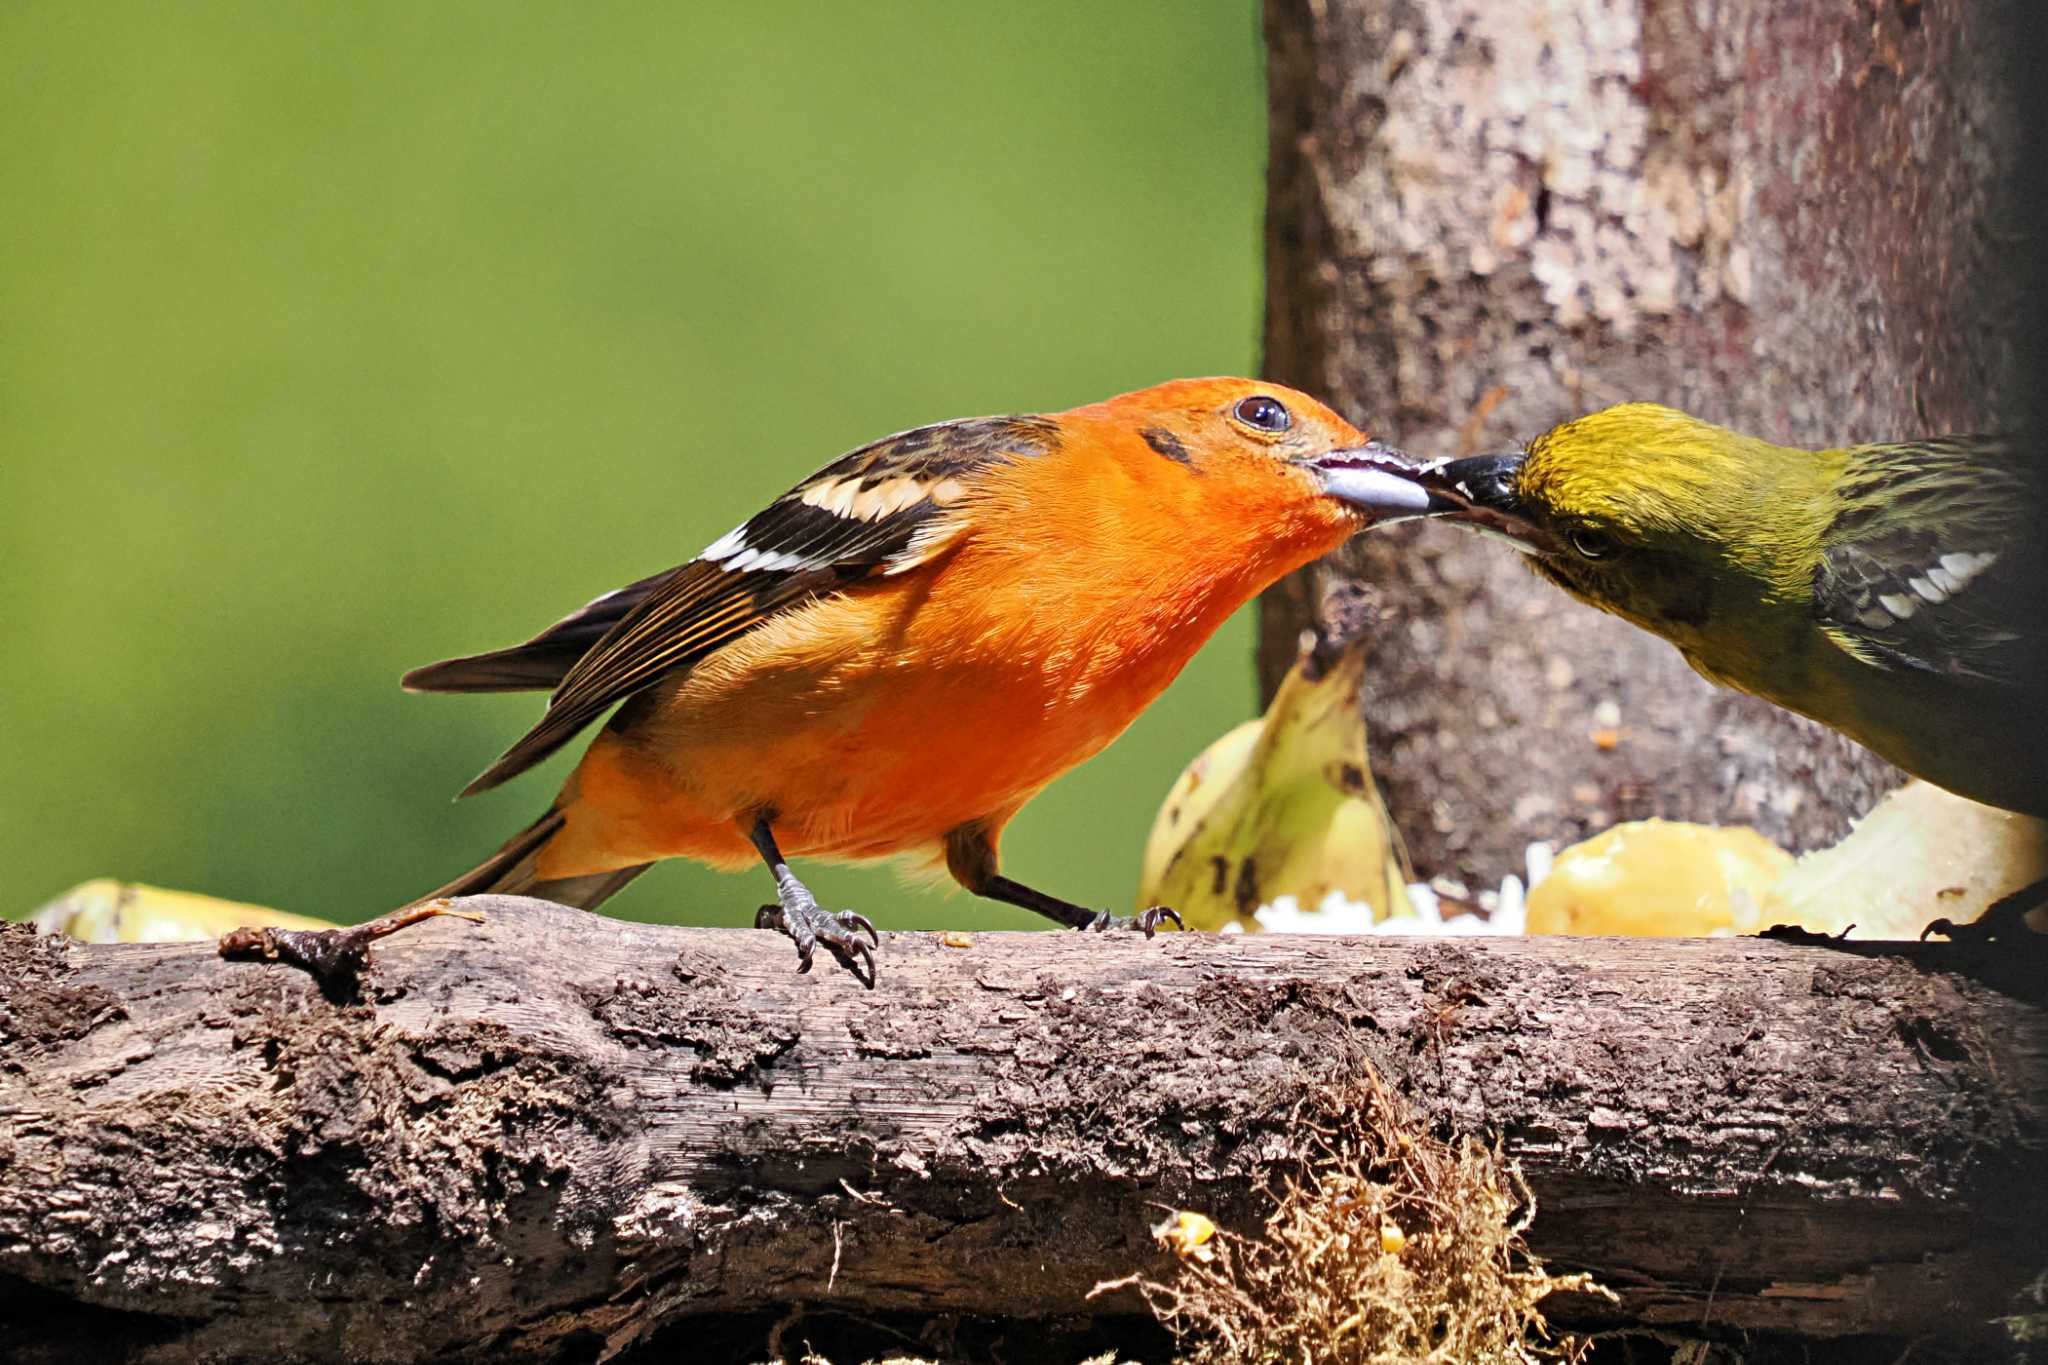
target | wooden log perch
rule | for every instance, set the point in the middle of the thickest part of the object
(555, 1126)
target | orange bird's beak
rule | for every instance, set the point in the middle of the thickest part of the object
(1385, 483)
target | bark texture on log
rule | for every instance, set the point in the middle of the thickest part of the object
(556, 1126)
(1798, 219)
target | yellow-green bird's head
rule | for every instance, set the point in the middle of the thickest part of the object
(1672, 522)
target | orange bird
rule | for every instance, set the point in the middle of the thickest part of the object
(902, 650)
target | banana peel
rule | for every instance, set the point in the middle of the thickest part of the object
(110, 911)
(1280, 806)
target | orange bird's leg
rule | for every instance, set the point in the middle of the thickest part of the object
(971, 858)
(798, 915)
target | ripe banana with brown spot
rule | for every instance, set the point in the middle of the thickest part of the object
(1280, 806)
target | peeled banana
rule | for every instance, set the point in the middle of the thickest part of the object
(1659, 878)
(1280, 806)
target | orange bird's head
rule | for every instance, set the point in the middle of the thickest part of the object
(1246, 467)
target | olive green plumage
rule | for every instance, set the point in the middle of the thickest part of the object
(1889, 590)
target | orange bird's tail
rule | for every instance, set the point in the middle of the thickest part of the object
(510, 872)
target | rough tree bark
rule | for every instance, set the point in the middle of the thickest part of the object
(1799, 219)
(558, 1128)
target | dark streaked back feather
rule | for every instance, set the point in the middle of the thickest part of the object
(874, 511)
(540, 664)
(1929, 563)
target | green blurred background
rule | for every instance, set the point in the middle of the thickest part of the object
(340, 338)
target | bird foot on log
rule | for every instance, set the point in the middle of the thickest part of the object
(1146, 921)
(332, 957)
(2004, 922)
(810, 926)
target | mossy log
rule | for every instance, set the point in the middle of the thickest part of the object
(555, 1127)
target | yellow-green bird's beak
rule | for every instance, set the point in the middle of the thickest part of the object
(1485, 491)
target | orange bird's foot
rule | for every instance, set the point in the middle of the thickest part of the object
(1146, 921)
(332, 957)
(809, 926)
(2004, 921)
(797, 914)
(1073, 916)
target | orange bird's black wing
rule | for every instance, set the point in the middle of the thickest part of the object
(875, 511)
(539, 664)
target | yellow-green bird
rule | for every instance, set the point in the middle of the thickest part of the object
(1893, 591)
(1887, 590)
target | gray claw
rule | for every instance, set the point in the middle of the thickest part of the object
(1152, 917)
(807, 927)
(1145, 921)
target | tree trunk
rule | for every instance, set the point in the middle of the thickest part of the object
(558, 1128)
(1797, 219)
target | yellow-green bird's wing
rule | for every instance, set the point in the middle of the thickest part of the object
(1933, 561)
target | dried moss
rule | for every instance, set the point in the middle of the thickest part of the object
(1391, 1247)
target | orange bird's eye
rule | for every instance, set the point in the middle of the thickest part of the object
(1261, 413)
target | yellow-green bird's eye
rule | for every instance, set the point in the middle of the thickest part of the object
(1591, 541)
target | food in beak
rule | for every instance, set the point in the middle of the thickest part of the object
(1388, 483)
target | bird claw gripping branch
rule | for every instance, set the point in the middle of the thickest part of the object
(964, 611)
(808, 926)
(2003, 922)
(1146, 921)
